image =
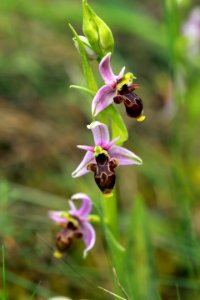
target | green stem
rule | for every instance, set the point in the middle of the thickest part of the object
(171, 22)
(110, 212)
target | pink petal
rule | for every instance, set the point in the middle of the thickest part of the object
(103, 98)
(73, 208)
(106, 71)
(85, 208)
(56, 216)
(87, 148)
(89, 237)
(100, 133)
(121, 74)
(124, 156)
(111, 143)
(82, 167)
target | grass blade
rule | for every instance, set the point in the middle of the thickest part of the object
(4, 273)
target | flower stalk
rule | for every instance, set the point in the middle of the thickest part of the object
(109, 202)
(107, 154)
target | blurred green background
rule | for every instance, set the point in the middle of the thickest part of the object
(42, 121)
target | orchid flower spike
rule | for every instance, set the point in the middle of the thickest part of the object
(74, 224)
(103, 158)
(118, 88)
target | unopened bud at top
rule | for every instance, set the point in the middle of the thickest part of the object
(97, 32)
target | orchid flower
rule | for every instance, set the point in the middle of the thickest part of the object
(191, 30)
(118, 88)
(104, 157)
(74, 224)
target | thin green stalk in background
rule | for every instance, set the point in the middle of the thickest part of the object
(139, 257)
(4, 273)
(111, 293)
(178, 145)
(28, 285)
(178, 293)
(35, 291)
(171, 13)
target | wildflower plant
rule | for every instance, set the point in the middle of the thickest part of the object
(106, 155)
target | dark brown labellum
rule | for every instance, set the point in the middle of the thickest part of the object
(64, 240)
(118, 99)
(104, 172)
(132, 101)
(66, 236)
(105, 181)
(133, 105)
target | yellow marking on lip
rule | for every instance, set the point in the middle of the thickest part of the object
(99, 150)
(128, 78)
(57, 254)
(141, 118)
(108, 195)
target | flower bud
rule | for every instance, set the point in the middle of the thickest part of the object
(88, 49)
(97, 32)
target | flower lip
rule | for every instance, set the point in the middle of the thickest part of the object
(65, 238)
(132, 102)
(104, 173)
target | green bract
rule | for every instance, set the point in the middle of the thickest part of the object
(97, 32)
(88, 49)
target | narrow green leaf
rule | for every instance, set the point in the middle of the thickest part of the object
(111, 293)
(113, 242)
(87, 70)
(35, 290)
(112, 117)
(141, 267)
(84, 89)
